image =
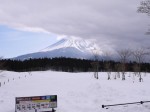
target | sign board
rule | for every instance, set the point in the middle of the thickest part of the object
(36, 103)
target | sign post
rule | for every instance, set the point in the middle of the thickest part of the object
(36, 103)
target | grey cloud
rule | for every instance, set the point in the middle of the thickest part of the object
(112, 23)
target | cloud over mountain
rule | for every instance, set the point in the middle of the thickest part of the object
(111, 23)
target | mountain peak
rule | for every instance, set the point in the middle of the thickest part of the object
(78, 43)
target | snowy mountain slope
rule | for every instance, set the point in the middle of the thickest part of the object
(80, 44)
(61, 52)
(73, 48)
(77, 92)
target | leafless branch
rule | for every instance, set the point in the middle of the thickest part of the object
(124, 55)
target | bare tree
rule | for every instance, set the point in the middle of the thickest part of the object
(135, 69)
(95, 66)
(107, 58)
(95, 63)
(1, 64)
(117, 69)
(124, 57)
(145, 8)
(108, 69)
(139, 56)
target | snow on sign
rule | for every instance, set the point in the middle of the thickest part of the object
(36, 103)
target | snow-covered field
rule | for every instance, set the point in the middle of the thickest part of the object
(77, 92)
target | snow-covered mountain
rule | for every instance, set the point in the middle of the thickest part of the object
(73, 48)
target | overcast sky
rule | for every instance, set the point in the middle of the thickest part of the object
(112, 23)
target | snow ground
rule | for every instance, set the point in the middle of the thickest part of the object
(77, 92)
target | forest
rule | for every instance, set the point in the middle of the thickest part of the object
(71, 65)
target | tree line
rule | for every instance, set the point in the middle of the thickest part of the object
(71, 65)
